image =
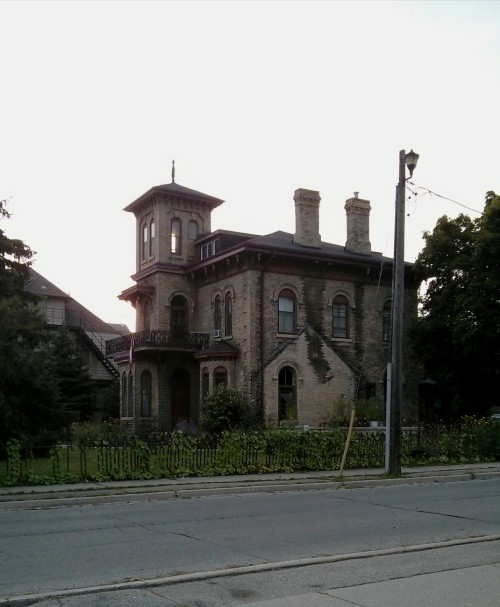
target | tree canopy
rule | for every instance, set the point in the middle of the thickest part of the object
(457, 336)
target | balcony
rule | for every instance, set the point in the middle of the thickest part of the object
(149, 339)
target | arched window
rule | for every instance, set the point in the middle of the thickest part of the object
(220, 377)
(175, 236)
(228, 315)
(193, 233)
(205, 383)
(340, 312)
(130, 396)
(386, 321)
(287, 394)
(217, 313)
(144, 250)
(287, 316)
(151, 236)
(179, 317)
(146, 394)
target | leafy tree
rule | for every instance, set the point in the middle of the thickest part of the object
(28, 403)
(457, 336)
(73, 378)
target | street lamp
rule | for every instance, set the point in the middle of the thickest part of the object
(395, 366)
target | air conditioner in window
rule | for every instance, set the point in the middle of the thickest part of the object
(216, 332)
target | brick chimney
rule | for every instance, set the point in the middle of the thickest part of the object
(307, 218)
(357, 213)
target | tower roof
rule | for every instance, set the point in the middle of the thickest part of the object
(177, 190)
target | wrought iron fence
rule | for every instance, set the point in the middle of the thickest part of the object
(176, 454)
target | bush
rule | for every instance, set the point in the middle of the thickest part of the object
(226, 409)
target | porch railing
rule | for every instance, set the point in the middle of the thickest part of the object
(157, 339)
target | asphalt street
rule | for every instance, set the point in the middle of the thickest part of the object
(290, 535)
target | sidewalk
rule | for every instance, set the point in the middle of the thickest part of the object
(471, 587)
(130, 490)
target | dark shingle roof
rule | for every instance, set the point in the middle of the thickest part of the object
(284, 242)
(39, 285)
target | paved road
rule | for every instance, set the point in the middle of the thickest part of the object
(46, 550)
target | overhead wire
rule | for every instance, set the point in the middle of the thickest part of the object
(460, 204)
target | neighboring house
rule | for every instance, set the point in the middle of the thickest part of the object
(297, 324)
(89, 331)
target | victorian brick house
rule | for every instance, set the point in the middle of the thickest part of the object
(299, 325)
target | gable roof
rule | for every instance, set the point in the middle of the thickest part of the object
(39, 285)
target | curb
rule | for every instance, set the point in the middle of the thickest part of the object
(24, 600)
(168, 492)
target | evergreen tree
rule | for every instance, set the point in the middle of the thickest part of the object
(107, 400)
(73, 378)
(28, 403)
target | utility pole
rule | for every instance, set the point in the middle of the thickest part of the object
(395, 367)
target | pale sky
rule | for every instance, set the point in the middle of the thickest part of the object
(253, 100)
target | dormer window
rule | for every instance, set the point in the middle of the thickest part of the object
(175, 236)
(208, 249)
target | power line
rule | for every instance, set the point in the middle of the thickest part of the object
(429, 191)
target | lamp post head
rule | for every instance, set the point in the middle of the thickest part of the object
(411, 160)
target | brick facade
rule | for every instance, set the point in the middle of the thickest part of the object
(328, 299)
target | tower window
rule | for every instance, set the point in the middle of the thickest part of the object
(192, 236)
(151, 236)
(175, 236)
(144, 250)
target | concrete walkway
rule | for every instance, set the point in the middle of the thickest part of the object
(472, 587)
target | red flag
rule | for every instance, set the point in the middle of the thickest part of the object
(131, 355)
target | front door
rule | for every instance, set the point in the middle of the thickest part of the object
(181, 398)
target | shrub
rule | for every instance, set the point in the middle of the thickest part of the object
(226, 409)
